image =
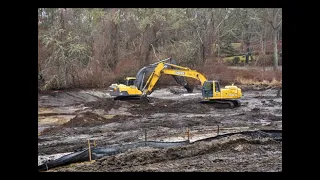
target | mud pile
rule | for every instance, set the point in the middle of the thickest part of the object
(105, 104)
(85, 119)
(171, 106)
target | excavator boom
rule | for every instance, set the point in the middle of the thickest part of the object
(180, 71)
(154, 70)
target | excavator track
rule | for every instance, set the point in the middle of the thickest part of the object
(125, 98)
(223, 103)
(139, 99)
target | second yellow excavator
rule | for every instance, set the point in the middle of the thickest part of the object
(211, 92)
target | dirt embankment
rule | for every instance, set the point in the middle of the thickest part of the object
(200, 156)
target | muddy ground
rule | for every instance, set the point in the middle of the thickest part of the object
(67, 119)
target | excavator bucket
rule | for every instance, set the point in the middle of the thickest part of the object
(144, 99)
(189, 88)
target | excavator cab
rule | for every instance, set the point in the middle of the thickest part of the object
(210, 88)
(130, 81)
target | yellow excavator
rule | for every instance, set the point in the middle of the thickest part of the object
(211, 92)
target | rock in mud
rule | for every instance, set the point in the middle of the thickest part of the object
(239, 148)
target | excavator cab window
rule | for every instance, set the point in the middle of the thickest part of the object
(207, 90)
(130, 82)
(217, 86)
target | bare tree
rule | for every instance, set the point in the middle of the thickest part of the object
(274, 18)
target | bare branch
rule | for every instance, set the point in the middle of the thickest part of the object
(266, 18)
(199, 36)
(217, 28)
(279, 24)
(155, 53)
(276, 13)
(270, 22)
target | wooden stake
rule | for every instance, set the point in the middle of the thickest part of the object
(218, 130)
(278, 92)
(145, 134)
(89, 150)
(94, 143)
(188, 131)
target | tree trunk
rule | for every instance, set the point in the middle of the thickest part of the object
(62, 23)
(114, 44)
(247, 42)
(202, 53)
(261, 45)
(264, 38)
(248, 54)
(148, 37)
(218, 42)
(209, 34)
(275, 50)
(64, 59)
(109, 50)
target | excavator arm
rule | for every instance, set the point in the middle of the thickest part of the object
(161, 68)
(147, 70)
